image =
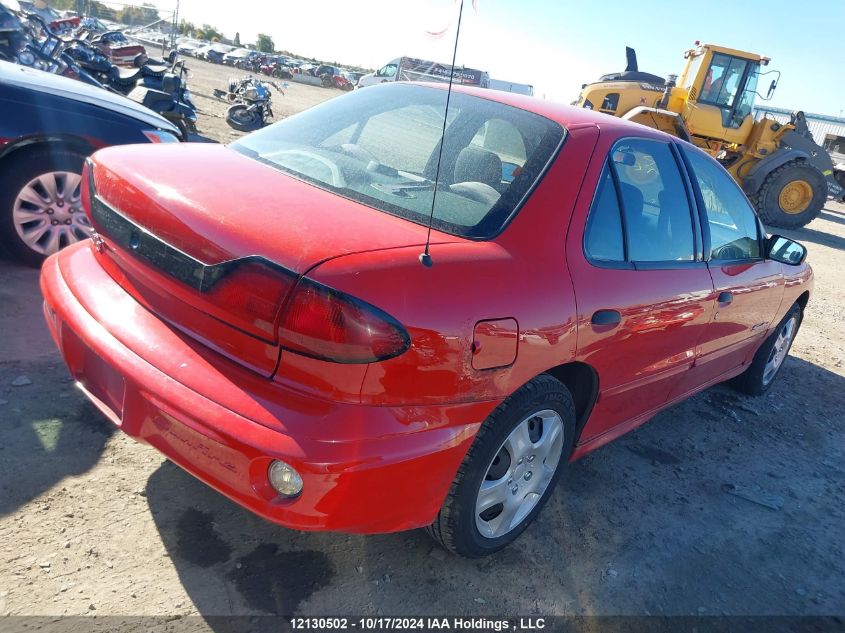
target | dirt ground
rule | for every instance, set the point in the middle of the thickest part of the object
(92, 523)
(212, 124)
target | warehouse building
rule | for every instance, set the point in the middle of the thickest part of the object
(828, 131)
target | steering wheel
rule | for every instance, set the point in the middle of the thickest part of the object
(365, 156)
(321, 162)
(356, 151)
(727, 252)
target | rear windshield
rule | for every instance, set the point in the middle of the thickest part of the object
(380, 146)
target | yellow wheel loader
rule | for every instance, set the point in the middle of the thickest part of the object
(784, 172)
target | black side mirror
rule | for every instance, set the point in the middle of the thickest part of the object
(784, 250)
(772, 87)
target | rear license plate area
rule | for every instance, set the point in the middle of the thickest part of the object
(94, 376)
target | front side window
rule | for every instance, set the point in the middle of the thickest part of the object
(387, 71)
(745, 104)
(381, 148)
(641, 212)
(734, 230)
(721, 83)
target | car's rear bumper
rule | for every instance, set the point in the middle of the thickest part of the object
(391, 479)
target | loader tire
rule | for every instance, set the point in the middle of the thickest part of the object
(791, 196)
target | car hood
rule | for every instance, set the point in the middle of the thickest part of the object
(215, 205)
(48, 83)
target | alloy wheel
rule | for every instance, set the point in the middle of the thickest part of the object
(48, 214)
(519, 474)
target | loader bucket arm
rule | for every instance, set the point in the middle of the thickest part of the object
(663, 120)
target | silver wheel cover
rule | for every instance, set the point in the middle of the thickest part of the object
(519, 474)
(780, 349)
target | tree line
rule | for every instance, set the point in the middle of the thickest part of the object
(263, 42)
(135, 16)
(147, 14)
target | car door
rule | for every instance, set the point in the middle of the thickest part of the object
(748, 287)
(643, 291)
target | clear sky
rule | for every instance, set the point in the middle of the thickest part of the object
(556, 45)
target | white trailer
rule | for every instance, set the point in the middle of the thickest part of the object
(512, 86)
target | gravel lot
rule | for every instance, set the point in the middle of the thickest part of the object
(212, 111)
(93, 523)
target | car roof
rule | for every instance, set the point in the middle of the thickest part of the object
(568, 116)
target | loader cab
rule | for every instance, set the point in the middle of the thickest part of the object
(721, 86)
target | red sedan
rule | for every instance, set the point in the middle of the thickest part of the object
(262, 315)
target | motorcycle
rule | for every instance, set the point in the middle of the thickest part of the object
(251, 106)
(24, 44)
(252, 65)
(163, 88)
(12, 37)
(161, 85)
(169, 96)
(122, 80)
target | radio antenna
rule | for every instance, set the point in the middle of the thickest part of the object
(425, 256)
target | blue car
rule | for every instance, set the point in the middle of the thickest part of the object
(49, 125)
(216, 57)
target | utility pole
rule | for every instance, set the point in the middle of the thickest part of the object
(175, 29)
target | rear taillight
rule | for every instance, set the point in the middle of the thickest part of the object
(252, 295)
(330, 325)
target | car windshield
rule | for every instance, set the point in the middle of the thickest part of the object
(380, 147)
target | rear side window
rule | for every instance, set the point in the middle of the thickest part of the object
(604, 240)
(657, 213)
(734, 232)
(641, 208)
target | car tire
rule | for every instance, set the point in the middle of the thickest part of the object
(769, 359)
(795, 183)
(470, 522)
(18, 173)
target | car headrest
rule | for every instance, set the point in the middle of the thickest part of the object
(478, 165)
(632, 198)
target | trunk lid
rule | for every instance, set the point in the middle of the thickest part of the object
(173, 218)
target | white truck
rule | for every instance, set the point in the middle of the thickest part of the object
(413, 69)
